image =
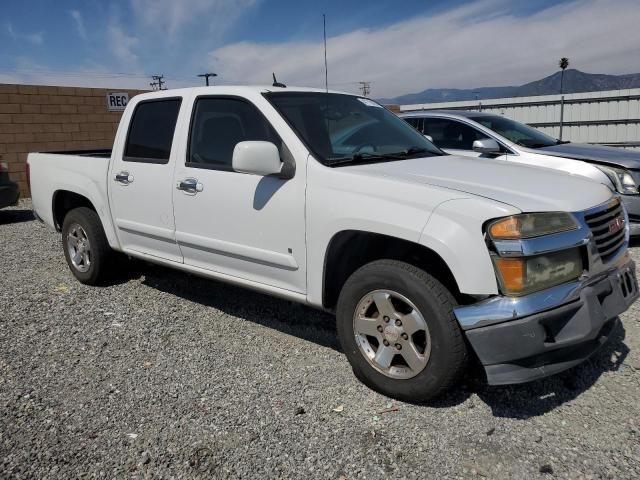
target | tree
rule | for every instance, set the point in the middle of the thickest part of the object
(563, 64)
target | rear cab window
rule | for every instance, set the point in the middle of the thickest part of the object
(151, 131)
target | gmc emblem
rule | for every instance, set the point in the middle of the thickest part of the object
(616, 225)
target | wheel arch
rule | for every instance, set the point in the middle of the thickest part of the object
(64, 200)
(349, 250)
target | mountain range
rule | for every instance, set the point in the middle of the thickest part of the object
(575, 81)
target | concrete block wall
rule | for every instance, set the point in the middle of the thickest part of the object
(35, 118)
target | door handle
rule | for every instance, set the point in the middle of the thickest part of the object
(190, 185)
(124, 177)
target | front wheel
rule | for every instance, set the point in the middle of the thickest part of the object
(396, 326)
(85, 245)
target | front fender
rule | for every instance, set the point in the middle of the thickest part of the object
(454, 231)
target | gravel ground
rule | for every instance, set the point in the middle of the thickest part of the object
(165, 375)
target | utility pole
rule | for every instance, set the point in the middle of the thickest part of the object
(365, 88)
(207, 75)
(326, 68)
(154, 85)
(563, 64)
(160, 81)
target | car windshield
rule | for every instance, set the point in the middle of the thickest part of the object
(344, 129)
(517, 132)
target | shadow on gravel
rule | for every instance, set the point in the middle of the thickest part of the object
(15, 216)
(282, 315)
(542, 396)
(514, 401)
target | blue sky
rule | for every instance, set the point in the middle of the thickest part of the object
(399, 46)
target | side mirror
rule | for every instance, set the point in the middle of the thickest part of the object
(256, 158)
(487, 145)
(428, 137)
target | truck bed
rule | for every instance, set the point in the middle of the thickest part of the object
(100, 153)
(84, 172)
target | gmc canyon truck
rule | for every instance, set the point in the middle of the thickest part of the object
(328, 199)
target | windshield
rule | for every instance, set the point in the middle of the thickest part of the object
(342, 129)
(517, 132)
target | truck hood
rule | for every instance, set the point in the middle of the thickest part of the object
(594, 153)
(528, 188)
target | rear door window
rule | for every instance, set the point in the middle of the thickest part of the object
(415, 122)
(151, 131)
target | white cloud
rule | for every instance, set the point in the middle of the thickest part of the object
(460, 48)
(170, 16)
(35, 38)
(79, 23)
(122, 45)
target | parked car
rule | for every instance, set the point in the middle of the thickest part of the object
(9, 191)
(482, 134)
(328, 199)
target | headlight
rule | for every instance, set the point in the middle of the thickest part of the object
(530, 225)
(621, 179)
(524, 275)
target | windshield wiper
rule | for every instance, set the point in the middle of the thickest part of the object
(541, 145)
(366, 156)
(535, 145)
(414, 150)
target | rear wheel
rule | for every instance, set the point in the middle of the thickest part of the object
(85, 245)
(397, 328)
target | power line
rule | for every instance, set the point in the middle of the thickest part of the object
(137, 76)
(207, 75)
(141, 75)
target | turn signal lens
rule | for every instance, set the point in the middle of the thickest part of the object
(523, 275)
(530, 225)
(506, 228)
(512, 273)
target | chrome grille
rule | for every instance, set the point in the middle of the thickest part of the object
(605, 226)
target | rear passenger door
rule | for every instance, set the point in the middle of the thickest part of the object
(245, 226)
(141, 177)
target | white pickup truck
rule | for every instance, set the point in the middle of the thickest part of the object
(330, 200)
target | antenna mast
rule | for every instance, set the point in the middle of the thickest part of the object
(326, 73)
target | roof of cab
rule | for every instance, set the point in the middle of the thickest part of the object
(230, 90)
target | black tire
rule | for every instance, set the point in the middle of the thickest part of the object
(448, 355)
(100, 253)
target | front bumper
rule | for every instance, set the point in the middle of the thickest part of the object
(549, 331)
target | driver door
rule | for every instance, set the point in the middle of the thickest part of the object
(241, 225)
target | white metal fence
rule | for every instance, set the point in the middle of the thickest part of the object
(608, 117)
